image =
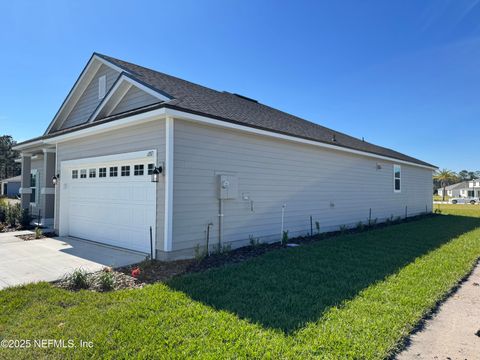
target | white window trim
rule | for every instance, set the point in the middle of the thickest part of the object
(394, 178)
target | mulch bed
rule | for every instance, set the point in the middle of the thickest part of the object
(161, 271)
(8, 228)
(121, 281)
(28, 237)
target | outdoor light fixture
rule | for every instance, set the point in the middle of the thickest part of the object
(55, 179)
(156, 172)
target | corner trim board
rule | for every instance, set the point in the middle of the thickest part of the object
(168, 226)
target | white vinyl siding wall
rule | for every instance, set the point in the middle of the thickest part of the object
(334, 187)
(134, 99)
(89, 99)
(136, 138)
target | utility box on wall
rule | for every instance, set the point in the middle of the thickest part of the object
(228, 187)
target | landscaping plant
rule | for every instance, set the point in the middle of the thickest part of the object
(25, 218)
(78, 279)
(107, 280)
(38, 233)
(353, 296)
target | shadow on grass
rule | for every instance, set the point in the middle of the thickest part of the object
(287, 288)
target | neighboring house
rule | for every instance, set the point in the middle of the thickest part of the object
(230, 167)
(472, 190)
(10, 187)
(455, 190)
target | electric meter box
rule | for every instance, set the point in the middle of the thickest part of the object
(228, 187)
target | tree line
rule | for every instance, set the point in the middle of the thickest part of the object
(8, 167)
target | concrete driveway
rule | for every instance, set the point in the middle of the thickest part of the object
(50, 259)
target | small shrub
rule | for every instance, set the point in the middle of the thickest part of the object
(372, 223)
(3, 211)
(343, 229)
(199, 253)
(317, 226)
(13, 214)
(106, 280)
(285, 237)
(38, 233)
(24, 219)
(254, 242)
(360, 226)
(226, 248)
(219, 249)
(78, 279)
(398, 219)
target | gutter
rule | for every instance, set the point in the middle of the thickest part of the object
(160, 111)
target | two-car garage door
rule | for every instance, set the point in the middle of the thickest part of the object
(110, 199)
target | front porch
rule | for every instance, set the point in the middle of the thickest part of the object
(37, 189)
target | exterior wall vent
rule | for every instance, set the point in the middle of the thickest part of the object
(102, 86)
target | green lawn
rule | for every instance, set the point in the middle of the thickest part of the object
(352, 296)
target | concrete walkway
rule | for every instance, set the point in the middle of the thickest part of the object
(451, 333)
(50, 259)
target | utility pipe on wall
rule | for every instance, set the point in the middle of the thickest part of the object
(283, 216)
(220, 223)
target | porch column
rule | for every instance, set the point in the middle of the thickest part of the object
(25, 189)
(47, 192)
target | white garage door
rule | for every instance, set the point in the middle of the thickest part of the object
(110, 199)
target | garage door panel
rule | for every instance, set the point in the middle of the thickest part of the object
(117, 211)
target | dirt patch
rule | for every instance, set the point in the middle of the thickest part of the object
(28, 237)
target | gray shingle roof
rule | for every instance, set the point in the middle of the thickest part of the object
(462, 185)
(195, 98)
(189, 97)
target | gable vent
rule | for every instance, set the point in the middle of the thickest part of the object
(102, 86)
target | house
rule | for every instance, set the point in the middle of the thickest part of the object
(10, 187)
(472, 190)
(455, 190)
(132, 149)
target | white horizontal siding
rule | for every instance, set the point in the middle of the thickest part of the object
(89, 99)
(275, 172)
(136, 138)
(134, 99)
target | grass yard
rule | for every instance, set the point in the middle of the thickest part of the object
(352, 296)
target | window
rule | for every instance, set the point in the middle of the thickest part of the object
(126, 170)
(150, 168)
(83, 174)
(92, 173)
(102, 172)
(74, 174)
(138, 170)
(114, 171)
(33, 186)
(397, 174)
(102, 86)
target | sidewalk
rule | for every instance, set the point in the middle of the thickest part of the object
(451, 333)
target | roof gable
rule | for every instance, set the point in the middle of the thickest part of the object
(72, 111)
(195, 99)
(125, 95)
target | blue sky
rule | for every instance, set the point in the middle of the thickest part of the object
(403, 74)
